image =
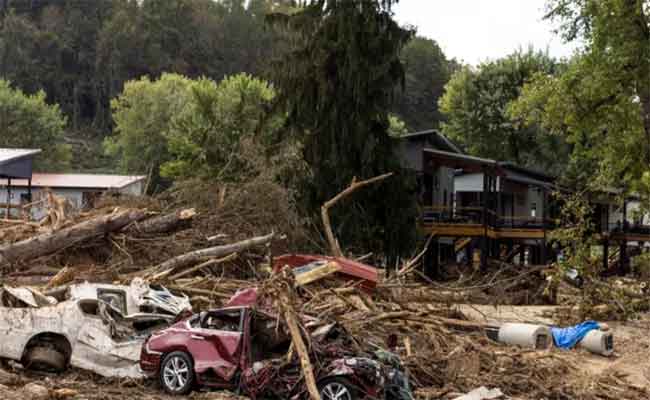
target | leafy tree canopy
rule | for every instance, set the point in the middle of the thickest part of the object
(213, 137)
(179, 128)
(477, 105)
(601, 103)
(27, 121)
(143, 116)
(427, 72)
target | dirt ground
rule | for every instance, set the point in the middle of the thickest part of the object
(631, 360)
(631, 363)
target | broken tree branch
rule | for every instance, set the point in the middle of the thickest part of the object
(334, 245)
(217, 251)
(163, 223)
(203, 265)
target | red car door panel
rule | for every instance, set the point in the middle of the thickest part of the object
(215, 350)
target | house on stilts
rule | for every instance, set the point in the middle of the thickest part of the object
(473, 209)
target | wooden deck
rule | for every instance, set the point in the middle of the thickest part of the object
(477, 230)
(629, 237)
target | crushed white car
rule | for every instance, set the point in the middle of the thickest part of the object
(95, 327)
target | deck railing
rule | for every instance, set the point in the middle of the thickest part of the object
(481, 216)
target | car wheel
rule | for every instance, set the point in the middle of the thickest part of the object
(177, 373)
(336, 389)
(45, 359)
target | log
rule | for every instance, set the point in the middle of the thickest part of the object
(218, 251)
(163, 223)
(52, 242)
(208, 263)
(298, 344)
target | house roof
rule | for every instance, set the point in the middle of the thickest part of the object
(507, 170)
(78, 181)
(436, 138)
(463, 161)
(528, 171)
(9, 155)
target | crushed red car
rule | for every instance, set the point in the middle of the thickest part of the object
(241, 348)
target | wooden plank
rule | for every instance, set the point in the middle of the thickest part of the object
(317, 273)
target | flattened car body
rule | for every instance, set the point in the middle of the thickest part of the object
(99, 328)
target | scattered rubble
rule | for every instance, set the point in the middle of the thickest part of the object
(204, 258)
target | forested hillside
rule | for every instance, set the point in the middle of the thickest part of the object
(81, 53)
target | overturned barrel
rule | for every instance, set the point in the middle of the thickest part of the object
(598, 342)
(525, 335)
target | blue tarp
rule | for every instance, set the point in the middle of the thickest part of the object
(567, 338)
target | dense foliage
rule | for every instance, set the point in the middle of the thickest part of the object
(26, 121)
(82, 52)
(337, 88)
(179, 128)
(601, 103)
(427, 73)
(477, 104)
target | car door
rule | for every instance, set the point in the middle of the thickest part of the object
(96, 349)
(216, 343)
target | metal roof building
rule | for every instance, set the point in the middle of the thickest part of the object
(17, 163)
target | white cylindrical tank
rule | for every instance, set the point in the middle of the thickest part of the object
(526, 335)
(599, 342)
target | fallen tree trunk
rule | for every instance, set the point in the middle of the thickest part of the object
(163, 223)
(217, 251)
(49, 243)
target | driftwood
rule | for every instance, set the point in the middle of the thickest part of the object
(285, 304)
(217, 251)
(52, 242)
(58, 210)
(324, 210)
(163, 223)
(208, 263)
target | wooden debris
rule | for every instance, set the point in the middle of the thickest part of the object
(217, 251)
(49, 243)
(317, 273)
(327, 225)
(163, 223)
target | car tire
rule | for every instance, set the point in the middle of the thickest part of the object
(44, 358)
(177, 373)
(337, 389)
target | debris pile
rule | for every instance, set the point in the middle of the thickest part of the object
(210, 256)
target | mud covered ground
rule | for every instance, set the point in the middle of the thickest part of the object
(630, 364)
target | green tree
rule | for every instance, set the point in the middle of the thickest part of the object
(143, 116)
(336, 85)
(601, 103)
(427, 72)
(27, 121)
(476, 104)
(208, 138)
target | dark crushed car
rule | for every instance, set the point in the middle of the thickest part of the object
(242, 349)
